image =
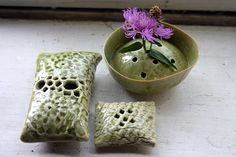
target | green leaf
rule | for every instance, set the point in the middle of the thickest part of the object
(157, 43)
(160, 57)
(132, 47)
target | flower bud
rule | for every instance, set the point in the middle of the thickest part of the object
(156, 11)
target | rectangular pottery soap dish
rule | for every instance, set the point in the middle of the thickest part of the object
(123, 124)
(59, 106)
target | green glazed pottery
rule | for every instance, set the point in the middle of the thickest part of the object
(120, 123)
(59, 106)
(141, 74)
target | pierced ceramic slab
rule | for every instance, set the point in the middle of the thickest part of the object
(138, 65)
(123, 123)
(59, 106)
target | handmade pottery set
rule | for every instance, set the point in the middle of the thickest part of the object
(59, 106)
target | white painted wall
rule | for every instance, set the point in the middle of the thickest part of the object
(206, 5)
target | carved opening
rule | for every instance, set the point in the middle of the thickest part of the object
(81, 82)
(122, 111)
(58, 119)
(143, 75)
(58, 83)
(49, 83)
(45, 89)
(117, 116)
(132, 121)
(49, 77)
(70, 85)
(59, 89)
(130, 111)
(63, 78)
(135, 59)
(122, 124)
(67, 92)
(77, 93)
(40, 84)
(158, 44)
(55, 78)
(52, 88)
(155, 61)
(172, 61)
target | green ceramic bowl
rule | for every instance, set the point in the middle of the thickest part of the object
(124, 76)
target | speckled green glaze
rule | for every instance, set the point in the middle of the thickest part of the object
(133, 64)
(155, 81)
(123, 123)
(59, 106)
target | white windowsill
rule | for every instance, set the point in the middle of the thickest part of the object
(197, 118)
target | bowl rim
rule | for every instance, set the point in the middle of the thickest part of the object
(162, 78)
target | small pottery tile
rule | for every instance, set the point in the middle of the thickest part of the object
(123, 123)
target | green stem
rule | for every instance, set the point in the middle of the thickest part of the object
(144, 46)
(150, 46)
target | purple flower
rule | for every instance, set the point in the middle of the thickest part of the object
(140, 23)
(163, 33)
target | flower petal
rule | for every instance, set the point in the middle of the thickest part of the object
(163, 33)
